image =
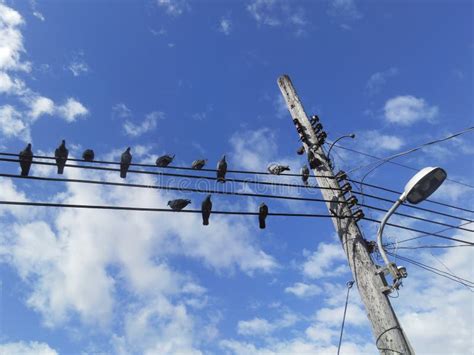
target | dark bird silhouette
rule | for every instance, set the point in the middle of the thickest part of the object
(88, 155)
(206, 209)
(300, 150)
(276, 169)
(221, 170)
(262, 215)
(305, 174)
(61, 153)
(199, 164)
(178, 204)
(164, 160)
(26, 157)
(125, 161)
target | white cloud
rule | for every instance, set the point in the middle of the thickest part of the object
(346, 9)
(36, 13)
(41, 106)
(255, 149)
(121, 110)
(375, 141)
(378, 79)
(158, 328)
(11, 124)
(11, 40)
(303, 290)
(72, 257)
(406, 110)
(173, 7)
(325, 262)
(71, 110)
(274, 13)
(9, 85)
(24, 348)
(260, 326)
(148, 124)
(225, 26)
(78, 67)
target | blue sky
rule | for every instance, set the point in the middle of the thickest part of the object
(198, 79)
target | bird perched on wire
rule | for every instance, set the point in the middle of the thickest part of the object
(164, 160)
(125, 161)
(305, 174)
(199, 164)
(221, 169)
(88, 155)
(276, 169)
(26, 157)
(61, 153)
(178, 204)
(262, 215)
(206, 209)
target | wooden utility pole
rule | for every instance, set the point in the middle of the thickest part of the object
(390, 338)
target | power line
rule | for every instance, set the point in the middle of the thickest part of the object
(396, 163)
(150, 209)
(210, 191)
(229, 171)
(430, 247)
(399, 193)
(257, 182)
(462, 281)
(384, 160)
(434, 234)
(424, 235)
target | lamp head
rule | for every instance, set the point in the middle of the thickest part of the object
(423, 184)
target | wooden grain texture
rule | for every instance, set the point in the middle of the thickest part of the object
(388, 334)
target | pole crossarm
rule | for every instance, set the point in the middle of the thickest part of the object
(370, 282)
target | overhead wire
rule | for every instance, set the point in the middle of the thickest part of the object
(460, 280)
(213, 191)
(229, 171)
(152, 209)
(244, 181)
(425, 235)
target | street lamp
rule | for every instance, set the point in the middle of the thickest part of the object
(419, 188)
(352, 135)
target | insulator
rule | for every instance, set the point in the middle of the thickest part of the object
(340, 176)
(295, 121)
(322, 136)
(358, 215)
(314, 119)
(346, 188)
(352, 201)
(318, 127)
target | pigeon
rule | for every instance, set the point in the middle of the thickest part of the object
(305, 174)
(164, 160)
(125, 161)
(276, 169)
(61, 153)
(199, 164)
(300, 150)
(206, 208)
(88, 155)
(221, 170)
(26, 157)
(179, 204)
(262, 215)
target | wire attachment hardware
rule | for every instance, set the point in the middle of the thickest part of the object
(341, 176)
(358, 215)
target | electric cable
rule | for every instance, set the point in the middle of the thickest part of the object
(210, 191)
(257, 182)
(229, 171)
(151, 209)
(349, 286)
